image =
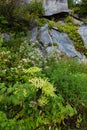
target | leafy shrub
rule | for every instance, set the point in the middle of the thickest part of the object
(41, 21)
(35, 8)
(27, 99)
(28, 105)
(17, 17)
(80, 9)
(39, 92)
(7, 7)
(70, 78)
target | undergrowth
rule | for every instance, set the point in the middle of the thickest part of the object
(38, 92)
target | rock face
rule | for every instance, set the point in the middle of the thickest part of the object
(44, 36)
(33, 34)
(55, 6)
(65, 44)
(52, 39)
(83, 33)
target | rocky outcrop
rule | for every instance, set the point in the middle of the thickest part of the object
(33, 34)
(52, 39)
(65, 44)
(55, 6)
(83, 33)
(44, 36)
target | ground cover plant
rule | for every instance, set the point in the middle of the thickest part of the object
(38, 92)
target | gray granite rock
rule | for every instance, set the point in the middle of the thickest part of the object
(51, 49)
(65, 44)
(6, 36)
(44, 36)
(83, 33)
(55, 6)
(33, 34)
(54, 51)
(52, 39)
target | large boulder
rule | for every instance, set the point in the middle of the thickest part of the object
(83, 33)
(44, 36)
(65, 44)
(55, 6)
(32, 34)
(52, 40)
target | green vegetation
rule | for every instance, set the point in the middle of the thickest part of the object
(26, 96)
(39, 92)
(10, 15)
(70, 3)
(35, 8)
(80, 8)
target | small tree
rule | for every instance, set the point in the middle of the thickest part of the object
(83, 7)
(7, 7)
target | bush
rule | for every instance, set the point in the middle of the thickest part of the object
(39, 92)
(16, 16)
(10, 13)
(70, 78)
(35, 8)
(10, 8)
(27, 99)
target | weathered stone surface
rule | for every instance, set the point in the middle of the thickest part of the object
(53, 40)
(65, 44)
(51, 49)
(55, 6)
(33, 34)
(6, 36)
(54, 51)
(83, 33)
(44, 36)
